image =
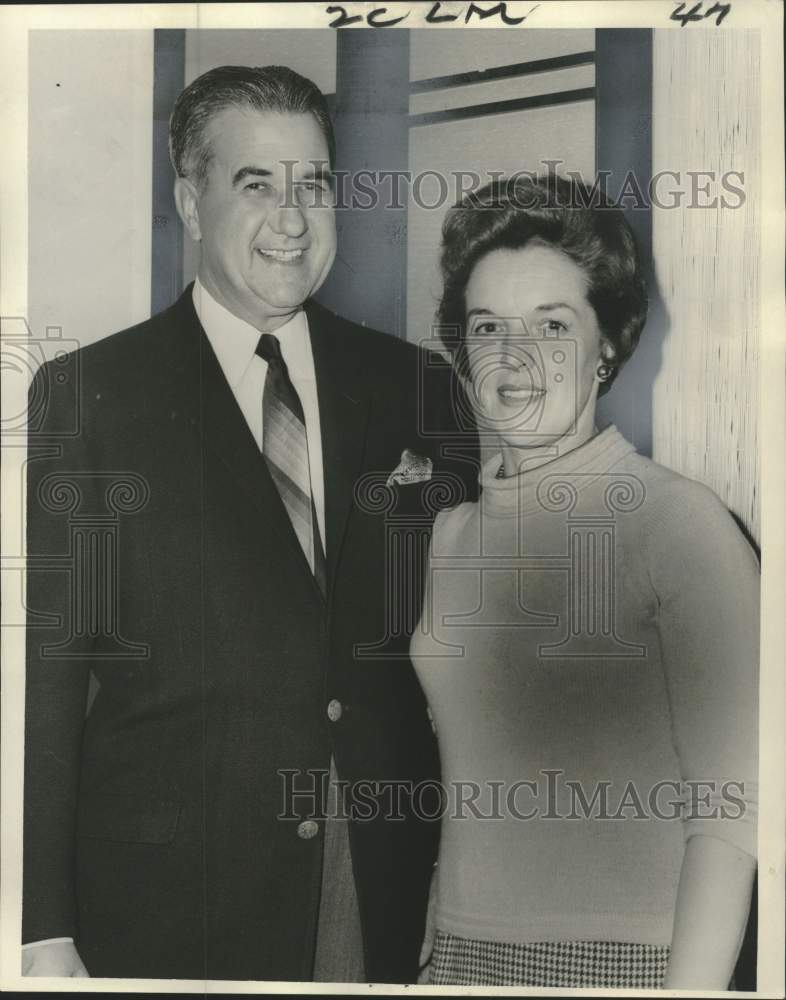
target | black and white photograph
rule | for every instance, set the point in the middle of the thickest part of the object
(393, 498)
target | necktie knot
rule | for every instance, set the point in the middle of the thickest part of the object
(269, 348)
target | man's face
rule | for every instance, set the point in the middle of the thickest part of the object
(264, 214)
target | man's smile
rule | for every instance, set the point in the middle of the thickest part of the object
(282, 256)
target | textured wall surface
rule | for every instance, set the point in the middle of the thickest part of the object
(89, 181)
(706, 107)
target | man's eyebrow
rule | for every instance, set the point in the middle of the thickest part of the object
(244, 172)
(548, 306)
(318, 171)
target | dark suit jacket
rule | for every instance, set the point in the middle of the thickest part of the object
(162, 560)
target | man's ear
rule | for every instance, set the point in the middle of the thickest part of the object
(187, 201)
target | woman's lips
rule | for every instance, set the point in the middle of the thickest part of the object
(520, 394)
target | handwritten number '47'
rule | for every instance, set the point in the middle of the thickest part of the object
(696, 13)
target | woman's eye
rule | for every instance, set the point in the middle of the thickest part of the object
(489, 328)
(552, 326)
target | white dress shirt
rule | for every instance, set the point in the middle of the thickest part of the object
(234, 343)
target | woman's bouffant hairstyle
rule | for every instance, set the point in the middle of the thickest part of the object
(260, 88)
(556, 212)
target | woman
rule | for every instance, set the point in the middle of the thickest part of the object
(588, 645)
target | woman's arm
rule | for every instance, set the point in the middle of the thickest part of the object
(707, 581)
(712, 911)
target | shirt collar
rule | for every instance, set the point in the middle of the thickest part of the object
(234, 341)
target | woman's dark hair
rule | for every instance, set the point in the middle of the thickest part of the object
(261, 88)
(560, 213)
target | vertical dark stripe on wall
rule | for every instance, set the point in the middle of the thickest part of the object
(368, 281)
(623, 117)
(623, 149)
(169, 52)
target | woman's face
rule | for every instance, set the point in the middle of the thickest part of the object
(533, 345)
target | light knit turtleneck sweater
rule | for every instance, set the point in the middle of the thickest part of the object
(593, 621)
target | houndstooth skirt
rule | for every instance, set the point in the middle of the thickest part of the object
(458, 961)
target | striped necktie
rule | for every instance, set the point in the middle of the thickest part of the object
(285, 448)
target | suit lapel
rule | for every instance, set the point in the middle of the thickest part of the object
(214, 414)
(343, 393)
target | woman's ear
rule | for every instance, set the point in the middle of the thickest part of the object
(187, 202)
(607, 351)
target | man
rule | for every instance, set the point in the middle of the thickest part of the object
(248, 435)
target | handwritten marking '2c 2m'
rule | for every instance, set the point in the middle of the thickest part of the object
(382, 17)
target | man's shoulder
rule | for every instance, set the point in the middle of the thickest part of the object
(151, 345)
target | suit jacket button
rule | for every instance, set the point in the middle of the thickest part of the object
(307, 829)
(335, 710)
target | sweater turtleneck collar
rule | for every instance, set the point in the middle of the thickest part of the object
(517, 495)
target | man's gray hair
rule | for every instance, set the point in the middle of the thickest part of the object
(261, 88)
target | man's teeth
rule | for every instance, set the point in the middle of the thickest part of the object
(282, 255)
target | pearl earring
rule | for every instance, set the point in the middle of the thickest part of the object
(604, 371)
